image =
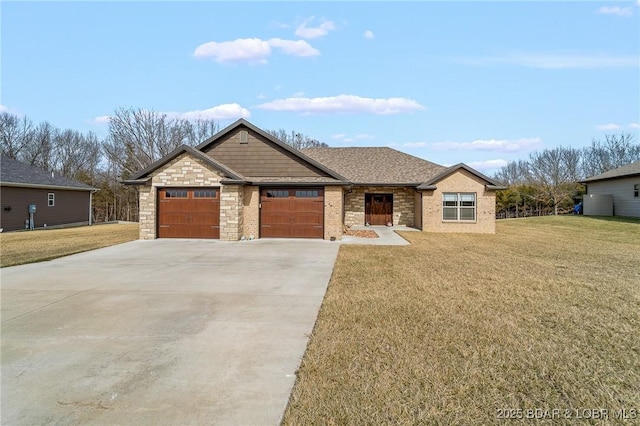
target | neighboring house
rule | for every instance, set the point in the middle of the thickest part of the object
(614, 193)
(57, 200)
(243, 183)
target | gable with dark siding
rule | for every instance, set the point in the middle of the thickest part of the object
(258, 156)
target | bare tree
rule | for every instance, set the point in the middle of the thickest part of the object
(15, 134)
(40, 152)
(138, 137)
(614, 152)
(555, 172)
(296, 139)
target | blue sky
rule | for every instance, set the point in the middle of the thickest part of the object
(476, 82)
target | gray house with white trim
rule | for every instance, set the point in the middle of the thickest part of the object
(614, 193)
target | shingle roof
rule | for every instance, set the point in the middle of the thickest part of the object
(375, 165)
(17, 173)
(632, 169)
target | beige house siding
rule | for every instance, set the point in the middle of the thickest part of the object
(183, 170)
(251, 212)
(460, 181)
(403, 203)
(624, 202)
(333, 212)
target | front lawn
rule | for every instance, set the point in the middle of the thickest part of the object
(17, 248)
(468, 329)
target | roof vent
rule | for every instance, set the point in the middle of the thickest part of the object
(244, 136)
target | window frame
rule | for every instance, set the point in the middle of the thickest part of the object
(51, 199)
(458, 207)
(636, 190)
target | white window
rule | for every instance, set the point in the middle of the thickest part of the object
(458, 206)
(51, 199)
(636, 190)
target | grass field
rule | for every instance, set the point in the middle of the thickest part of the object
(17, 248)
(459, 329)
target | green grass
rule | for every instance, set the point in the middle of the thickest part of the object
(545, 314)
(17, 248)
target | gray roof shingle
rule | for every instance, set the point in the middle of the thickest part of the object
(17, 173)
(375, 165)
(632, 169)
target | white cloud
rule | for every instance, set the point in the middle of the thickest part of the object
(634, 125)
(261, 96)
(610, 126)
(615, 10)
(498, 145)
(558, 60)
(488, 164)
(4, 108)
(252, 50)
(369, 34)
(344, 104)
(304, 31)
(343, 138)
(103, 119)
(298, 94)
(294, 47)
(219, 112)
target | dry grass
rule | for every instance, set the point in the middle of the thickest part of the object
(17, 248)
(543, 315)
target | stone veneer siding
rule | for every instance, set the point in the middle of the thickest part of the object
(251, 212)
(332, 212)
(403, 202)
(460, 181)
(231, 218)
(184, 171)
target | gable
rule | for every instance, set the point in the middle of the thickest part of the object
(187, 170)
(254, 155)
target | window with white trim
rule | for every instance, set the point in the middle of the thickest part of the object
(636, 190)
(459, 206)
(51, 199)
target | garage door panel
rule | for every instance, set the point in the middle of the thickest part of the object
(292, 213)
(193, 213)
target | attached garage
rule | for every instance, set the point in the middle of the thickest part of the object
(292, 213)
(189, 213)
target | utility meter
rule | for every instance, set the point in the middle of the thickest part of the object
(32, 208)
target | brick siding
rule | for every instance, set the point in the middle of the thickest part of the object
(460, 181)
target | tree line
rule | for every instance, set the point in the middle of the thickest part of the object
(135, 139)
(548, 181)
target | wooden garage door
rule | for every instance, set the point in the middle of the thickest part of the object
(292, 213)
(189, 213)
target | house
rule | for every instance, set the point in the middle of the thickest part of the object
(244, 183)
(53, 200)
(614, 193)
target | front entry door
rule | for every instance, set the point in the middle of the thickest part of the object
(378, 209)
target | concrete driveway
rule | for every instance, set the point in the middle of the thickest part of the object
(160, 332)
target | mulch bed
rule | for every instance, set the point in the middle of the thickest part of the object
(361, 233)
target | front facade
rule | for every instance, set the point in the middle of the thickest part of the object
(243, 184)
(614, 193)
(35, 198)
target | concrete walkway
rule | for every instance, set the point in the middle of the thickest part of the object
(387, 236)
(164, 332)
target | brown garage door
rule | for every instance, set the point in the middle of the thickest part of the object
(189, 213)
(292, 213)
